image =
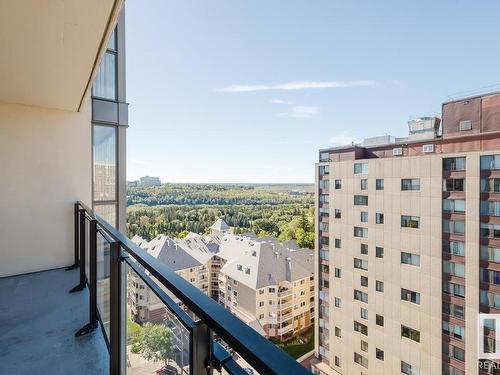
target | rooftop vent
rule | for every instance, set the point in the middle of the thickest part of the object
(239, 267)
(247, 271)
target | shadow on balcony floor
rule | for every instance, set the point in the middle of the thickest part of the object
(38, 319)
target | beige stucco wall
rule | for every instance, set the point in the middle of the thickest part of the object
(426, 279)
(45, 166)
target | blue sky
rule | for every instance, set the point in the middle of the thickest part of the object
(248, 91)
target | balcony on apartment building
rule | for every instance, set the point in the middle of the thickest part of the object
(64, 270)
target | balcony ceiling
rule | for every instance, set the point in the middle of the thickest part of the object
(49, 49)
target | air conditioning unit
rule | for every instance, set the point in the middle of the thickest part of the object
(465, 125)
(428, 148)
(397, 151)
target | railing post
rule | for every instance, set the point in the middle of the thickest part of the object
(76, 241)
(200, 349)
(92, 324)
(81, 247)
(115, 329)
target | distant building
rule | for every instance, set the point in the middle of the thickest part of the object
(267, 284)
(145, 181)
(149, 181)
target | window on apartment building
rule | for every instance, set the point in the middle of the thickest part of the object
(324, 198)
(323, 184)
(379, 252)
(360, 296)
(364, 249)
(454, 289)
(361, 328)
(454, 164)
(410, 333)
(338, 184)
(379, 320)
(338, 302)
(411, 259)
(379, 286)
(454, 330)
(454, 184)
(489, 230)
(261, 304)
(379, 354)
(410, 296)
(489, 276)
(338, 272)
(337, 362)
(338, 213)
(379, 218)
(410, 184)
(454, 226)
(491, 254)
(451, 370)
(360, 232)
(235, 293)
(359, 359)
(454, 248)
(490, 208)
(363, 216)
(324, 169)
(458, 311)
(454, 205)
(324, 254)
(410, 221)
(361, 264)
(454, 268)
(105, 84)
(364, 313)
(105, 172)
(364, 281)
(454, 352)
(325, 240)
(338, 332)
(379, 184)
(489, 299)
(408, 369)
(490, 162)
(364, 346)
(324, 156)
(361, 200)
(261, 291)
(325, 283)
(261, 316)
(364, 184)
(322, 227)
(360, 168)
(324, 212)
(325, 268)
(338, 243)
(490, 185)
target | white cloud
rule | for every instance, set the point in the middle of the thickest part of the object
(342, 139)
(301, 85)
(279, 101)
(301, 111)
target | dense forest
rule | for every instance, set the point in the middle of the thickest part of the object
(285, 211)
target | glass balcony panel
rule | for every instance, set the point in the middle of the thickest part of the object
(156, 340)
(103, 285)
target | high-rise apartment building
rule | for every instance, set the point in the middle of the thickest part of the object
(407, 239)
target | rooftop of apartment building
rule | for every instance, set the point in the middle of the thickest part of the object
(255, 262)
(462, 119)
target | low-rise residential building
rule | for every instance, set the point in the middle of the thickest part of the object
(267, 284)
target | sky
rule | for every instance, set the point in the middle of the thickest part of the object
(249, 91)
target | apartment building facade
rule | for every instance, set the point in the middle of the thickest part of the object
(407, 245)
(269, 287)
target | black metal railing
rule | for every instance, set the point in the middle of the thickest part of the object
(106, 256)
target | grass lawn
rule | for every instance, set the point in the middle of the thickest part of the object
(296, 349)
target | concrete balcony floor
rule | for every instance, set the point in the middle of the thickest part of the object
(38, 319)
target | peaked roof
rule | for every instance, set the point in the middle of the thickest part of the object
(220, 225)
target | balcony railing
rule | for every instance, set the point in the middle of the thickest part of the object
(204, 331)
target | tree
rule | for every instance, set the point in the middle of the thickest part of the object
(155, 343)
